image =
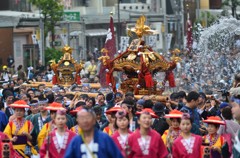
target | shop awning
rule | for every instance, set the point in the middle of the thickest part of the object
(96, 32)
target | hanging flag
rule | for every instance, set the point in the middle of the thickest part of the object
(124, 43)
(189, 34)
(110, 45)
(17, 1)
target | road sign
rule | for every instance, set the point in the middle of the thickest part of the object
(71, 16)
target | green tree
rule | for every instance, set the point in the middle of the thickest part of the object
(207, 19)
(52, 12)
(52, 54)
(233, 4)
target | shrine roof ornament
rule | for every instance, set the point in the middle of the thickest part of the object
(140, 29)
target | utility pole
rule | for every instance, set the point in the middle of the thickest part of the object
(42, 39)
(68, 33)
(119, 25)
(182, 22)
(198, 9)
(165, 29)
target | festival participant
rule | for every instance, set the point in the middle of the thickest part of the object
(122, 132)
(128, 105)
(160, 124)
(100, 101)
(76, 129)
(235, 102)
(145, 142)
(139, 104)
(190, 107)
(3, 117)
(214, 140)
(91, 142)
(187, 145)
(34, 109)
(90, 102)
(118, 97)
(41, 118)
(57, 141)
(8, 97)
(174, 131)
(19, 131)
(109, 129)
(50, 126)
(100, 122)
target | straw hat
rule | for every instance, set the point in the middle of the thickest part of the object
(214, 120)
(76, 110)
(147, 111)
(19, 104)
(113, 110)
(55, 106)
(174, 114)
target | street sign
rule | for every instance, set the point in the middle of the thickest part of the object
(57, 43)
(71, 16)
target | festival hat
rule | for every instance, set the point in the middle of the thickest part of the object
(214, 120)
(147, 111)
(174, 114)
(121, 113)
(76, 110)
(55, 106)
(19, 104)
(33, 103)
(113, 110)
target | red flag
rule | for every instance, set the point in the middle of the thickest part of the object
(110, 45)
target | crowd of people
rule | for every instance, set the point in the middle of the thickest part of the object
(60, 122)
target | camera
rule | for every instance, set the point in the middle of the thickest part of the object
(224, 92)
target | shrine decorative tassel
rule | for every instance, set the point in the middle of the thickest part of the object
(78, 79)
(148, 80)
(108, 78)
(54, 79)
(170, 78)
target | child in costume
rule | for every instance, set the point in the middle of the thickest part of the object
(187, 145)
(19, 131)
(76, 129)
(174, 131)
(50, 126)
(214, 140)
(57, 141)
(122, 133)
(111, 118)
(146, 142)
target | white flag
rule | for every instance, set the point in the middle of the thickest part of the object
(124, 43)
(34, 39)
(169, 40)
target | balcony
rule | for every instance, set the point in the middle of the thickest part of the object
(20, 5)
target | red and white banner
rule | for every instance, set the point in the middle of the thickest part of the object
(110, 45)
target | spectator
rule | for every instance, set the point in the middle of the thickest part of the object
(3, 117)
(21, 74)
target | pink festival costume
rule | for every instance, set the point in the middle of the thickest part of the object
(51, 144)
(121, 144)
(187, 149)
(152, 147)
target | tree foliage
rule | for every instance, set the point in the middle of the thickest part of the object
(52, 54)
(233, 4)
(52, 12)
(206, 19)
